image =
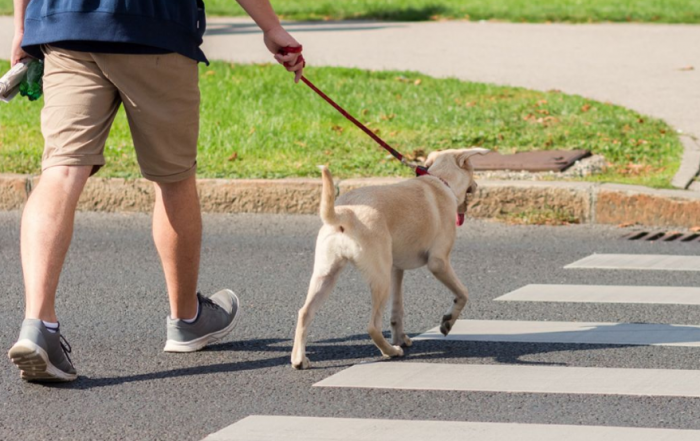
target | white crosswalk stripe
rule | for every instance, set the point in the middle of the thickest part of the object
(276, 428)
(518, 378)
(639, 262)
(672, 295)
(569, 332)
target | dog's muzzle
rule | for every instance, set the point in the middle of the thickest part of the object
(462, 209)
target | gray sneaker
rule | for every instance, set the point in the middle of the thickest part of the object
(217, 317)
(42, 355)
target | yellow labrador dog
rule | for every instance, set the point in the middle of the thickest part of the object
(384, 231)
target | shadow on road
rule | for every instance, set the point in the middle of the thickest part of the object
(405, 14)
(344, 352)
(500, 352)
(83, 382)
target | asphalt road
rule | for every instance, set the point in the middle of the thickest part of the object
(112, 305)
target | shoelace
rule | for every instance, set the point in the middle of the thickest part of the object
(205, 301)
(66, 347)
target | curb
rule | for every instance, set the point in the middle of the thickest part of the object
(690, 164)
(587, 202)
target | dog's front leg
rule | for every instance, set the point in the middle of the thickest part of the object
(442, 270)
(398, 337)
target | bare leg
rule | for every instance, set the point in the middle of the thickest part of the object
(177, 232)
(47, 230)
(398, 337)
(442, 270)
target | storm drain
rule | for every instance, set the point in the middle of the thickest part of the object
(663, 236)
(537, 161)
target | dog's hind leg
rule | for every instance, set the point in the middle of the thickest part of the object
(398, 337)
(322, 282)
(443, 271)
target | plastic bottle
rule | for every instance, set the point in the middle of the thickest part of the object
(32, 86)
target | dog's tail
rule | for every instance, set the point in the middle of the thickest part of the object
(328, 214)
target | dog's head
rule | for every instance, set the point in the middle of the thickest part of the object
(455, 168)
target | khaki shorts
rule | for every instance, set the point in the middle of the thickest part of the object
(160, 93)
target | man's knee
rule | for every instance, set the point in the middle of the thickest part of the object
(72, 172)
(187, 185)
(70, 177)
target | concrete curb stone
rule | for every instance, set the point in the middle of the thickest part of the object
(500, 198)
(587, 202)
(13, 191)
(289, 196)
(627, 203)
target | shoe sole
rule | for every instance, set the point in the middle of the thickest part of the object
(34, 365)
(199, 343)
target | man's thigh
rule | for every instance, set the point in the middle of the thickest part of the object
(161, 98)
(80, 104)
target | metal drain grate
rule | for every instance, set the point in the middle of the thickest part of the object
(663, 236)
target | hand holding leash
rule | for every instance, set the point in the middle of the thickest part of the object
(287, 51)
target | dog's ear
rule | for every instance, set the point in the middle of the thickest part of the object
(464, 156)
(430, 160)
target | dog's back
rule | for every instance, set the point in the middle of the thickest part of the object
(409, 214)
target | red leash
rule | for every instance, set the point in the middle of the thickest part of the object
(420, 170)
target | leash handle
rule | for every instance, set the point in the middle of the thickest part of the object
(293, 50)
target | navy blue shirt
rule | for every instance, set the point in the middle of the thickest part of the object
(103, 47)
(121, 25)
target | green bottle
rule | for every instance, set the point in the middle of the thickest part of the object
(32, 86)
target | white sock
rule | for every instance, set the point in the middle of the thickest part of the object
(190, 321)
(51, 327)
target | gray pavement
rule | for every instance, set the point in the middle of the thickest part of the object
(112, 306)
(644, 67)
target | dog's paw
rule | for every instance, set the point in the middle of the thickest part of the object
(397, 352)
(402, 340)
(305, 364)
(446, 325)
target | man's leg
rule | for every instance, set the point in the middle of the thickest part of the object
(161, 99)
(47, 230)
(195, 321)
(177, 232)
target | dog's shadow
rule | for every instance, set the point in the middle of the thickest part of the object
(445, 350)
(524, 346)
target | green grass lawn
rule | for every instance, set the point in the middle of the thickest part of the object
(577, 11)
(256, 123)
